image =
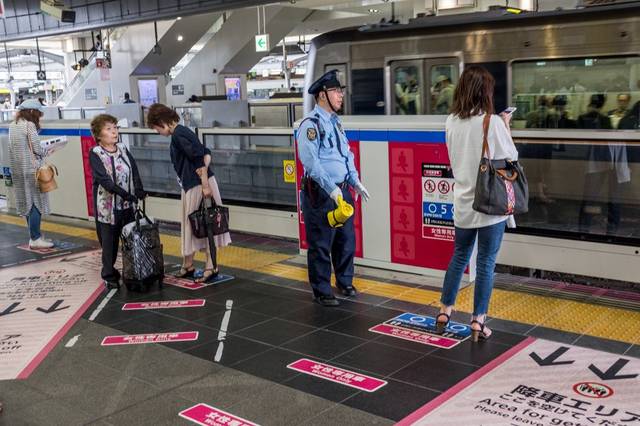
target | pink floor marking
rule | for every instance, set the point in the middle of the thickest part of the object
(56, 338)
(458, 387)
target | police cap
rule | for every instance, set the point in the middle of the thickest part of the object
(328, 80)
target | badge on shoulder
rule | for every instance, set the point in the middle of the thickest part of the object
(311, 134)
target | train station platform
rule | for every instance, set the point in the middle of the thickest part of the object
(254, 348)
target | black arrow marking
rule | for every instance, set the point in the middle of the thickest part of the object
(53, 307)
(611, 373)
(549, 360)
(10, 309)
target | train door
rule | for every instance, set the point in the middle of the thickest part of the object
(407, 87)
(442, 76)
(343, 78)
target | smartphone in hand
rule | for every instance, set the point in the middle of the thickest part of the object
(509, 110)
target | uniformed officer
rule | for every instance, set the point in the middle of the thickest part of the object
(329, 172)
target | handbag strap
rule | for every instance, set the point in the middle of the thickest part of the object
(33, 154)
(485, 132)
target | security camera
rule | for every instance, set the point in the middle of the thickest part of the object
(56, 9)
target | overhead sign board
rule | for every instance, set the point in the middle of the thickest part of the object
(262, 43)
(41, 75)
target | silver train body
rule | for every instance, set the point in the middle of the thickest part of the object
(585, 209)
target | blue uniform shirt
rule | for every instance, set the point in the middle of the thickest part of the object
(327, 161)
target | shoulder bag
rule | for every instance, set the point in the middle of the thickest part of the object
(45, 174)
(215, 217)
(501, 185)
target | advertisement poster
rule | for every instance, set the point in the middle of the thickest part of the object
(232, 87)
(148, 90)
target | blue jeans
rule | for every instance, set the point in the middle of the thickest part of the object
(489, 240)
(33, 221)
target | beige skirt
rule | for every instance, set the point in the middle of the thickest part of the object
(191, 202)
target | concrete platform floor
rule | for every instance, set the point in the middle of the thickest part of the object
(264, 320)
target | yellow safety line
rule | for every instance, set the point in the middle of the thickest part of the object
(560, 314)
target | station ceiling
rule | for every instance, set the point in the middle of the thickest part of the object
(24, 19)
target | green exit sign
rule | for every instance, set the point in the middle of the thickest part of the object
(262, 43)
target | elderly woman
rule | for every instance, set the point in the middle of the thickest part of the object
(116, 187)
(190, 160)
(25, 156)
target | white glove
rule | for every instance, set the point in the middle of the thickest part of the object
(362, 192)
(335, 194)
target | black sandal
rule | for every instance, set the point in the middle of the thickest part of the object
(442, 325)
(185, 272)
(479, 334)
(208, 279)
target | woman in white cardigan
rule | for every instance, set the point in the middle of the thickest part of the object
(473, 98)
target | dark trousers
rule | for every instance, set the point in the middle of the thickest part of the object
(109, 238)
(327, 245)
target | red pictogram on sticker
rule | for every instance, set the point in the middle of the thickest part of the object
(592, 390)
(429, 186)
(444, 187)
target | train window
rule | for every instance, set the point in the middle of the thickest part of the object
(407, 87)
(584, 93)
(443, 79)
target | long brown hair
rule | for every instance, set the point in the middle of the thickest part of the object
(474, 93)
(32, 115)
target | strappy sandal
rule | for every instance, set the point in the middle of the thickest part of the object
(208, 278)
(442, 325)
(185, 272)
(479, 334)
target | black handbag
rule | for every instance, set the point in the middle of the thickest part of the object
(501, 185)
(214, 217)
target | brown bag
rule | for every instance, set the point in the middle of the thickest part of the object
(45, 175)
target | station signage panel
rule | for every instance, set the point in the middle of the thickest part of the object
(262, 43)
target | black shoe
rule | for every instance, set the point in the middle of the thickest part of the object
(110, 285)
(349, 291)
(328, 301)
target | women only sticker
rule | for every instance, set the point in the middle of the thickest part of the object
(138, 339)
(337, 375)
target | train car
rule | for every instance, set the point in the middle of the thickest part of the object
(560, 69)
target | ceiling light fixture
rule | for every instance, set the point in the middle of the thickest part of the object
(373, 11)
(180, 38)
(179, 18)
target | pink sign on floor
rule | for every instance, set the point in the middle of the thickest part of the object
(207, 415)
(137, 339)
(338, 375)
(168, 304)
(415, 336)
(182, 283)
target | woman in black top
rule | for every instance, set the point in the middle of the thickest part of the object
(116, 186)
(191, 161)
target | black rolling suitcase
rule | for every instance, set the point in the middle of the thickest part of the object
(142, 260)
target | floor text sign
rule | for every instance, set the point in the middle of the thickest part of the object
(338, 375)
(39, 302)
(169, 304)
(207, 415)
(454, 330)
(192, 285)
(415, 336)
(543, 383)
(137, 339)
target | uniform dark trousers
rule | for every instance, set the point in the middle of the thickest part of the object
(327, 245)
(109, 238)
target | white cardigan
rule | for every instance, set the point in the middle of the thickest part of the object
(464, 143)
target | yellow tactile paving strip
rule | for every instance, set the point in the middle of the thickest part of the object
(560, 314)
